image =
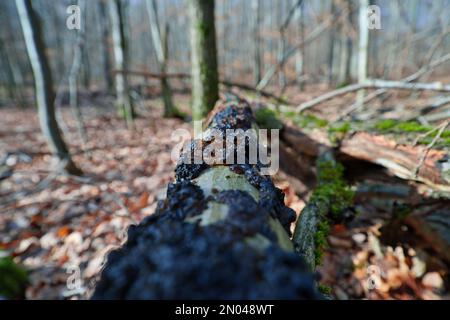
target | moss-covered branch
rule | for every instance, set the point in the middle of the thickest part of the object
(330, 199)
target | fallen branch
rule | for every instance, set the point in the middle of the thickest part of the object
(400, 160)
(384, 84)
(328, 203)
(428, 148)
(370, 84)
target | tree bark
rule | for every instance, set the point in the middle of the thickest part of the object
(161, 45)
(13, 86)
(300, 55)
(205, 77)
(124, 103)
(400, 160)
(45, 95)
(105, 46)
(331, 48)
(363, 46)
(346, 47)
(73, 78)
(256, 25)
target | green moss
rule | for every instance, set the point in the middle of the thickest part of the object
(338, 131)
(324, 289)
(320, 240)
(12, 278)
(306, 121)
(398, 126)
(341, 128)
(413, 127)
(290, 114)
(267, 119)
(385, 125)
(342, 84)
(332, 188)
(333, 191)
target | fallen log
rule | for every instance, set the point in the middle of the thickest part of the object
(425, 225)
(329, 203)
(400, 160)
(222, 232)
(374, 84)
(433, 225)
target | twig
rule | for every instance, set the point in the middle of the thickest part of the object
(429, 146)
(425, 69)
(423, 135)
(374, 83)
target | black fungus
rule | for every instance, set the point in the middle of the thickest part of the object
(167, 257)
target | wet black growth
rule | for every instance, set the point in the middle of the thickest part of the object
(186, 168)
(270, 197)
(234, 115)
(171, 255)
(167, 258)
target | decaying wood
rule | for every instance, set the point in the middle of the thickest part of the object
(371, 84)
(306, 228)
(400, 160)
(382, 85)
(221, 233)
(433, 225)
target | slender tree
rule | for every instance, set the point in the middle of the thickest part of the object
(331, 48)
(105, 46)
(346, 47)
(161, 45)
(124, 103)
(363, 46)
(205, 88)
(45, 94)
(256, 25)
(300, 55)
(74, 75)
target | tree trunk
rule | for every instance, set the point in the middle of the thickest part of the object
(205, 89)
(256, 25)
(331, 49)
(399, 159)
(161, 45)
(73, 78)
(300, 55)
(13, 86)
(221, 233)
(104, 34)
(121, 62)
(362, 46)
(45, 95)
(346, 48)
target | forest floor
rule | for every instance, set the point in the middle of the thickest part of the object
(55, 225)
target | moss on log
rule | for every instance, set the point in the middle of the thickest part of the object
(328, 203)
